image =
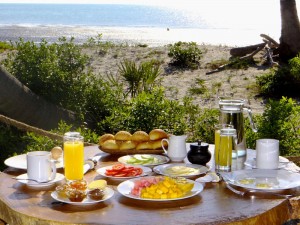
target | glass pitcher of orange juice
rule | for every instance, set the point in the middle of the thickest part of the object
(73, 156)
(225, 152)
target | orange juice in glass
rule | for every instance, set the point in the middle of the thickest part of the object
(73, 156)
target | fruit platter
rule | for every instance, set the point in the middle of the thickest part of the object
(159, 188)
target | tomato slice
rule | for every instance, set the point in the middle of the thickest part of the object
(110, 172)
(121, 175)
(139, 170)
(118, 166)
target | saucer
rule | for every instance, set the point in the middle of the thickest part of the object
(252, 162)
(59, 177)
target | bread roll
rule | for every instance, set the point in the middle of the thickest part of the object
(144, 145)
(140, 136)
(110, 145)
(158, 145)
(105, 137)
(127, 145)
(123, 136)
(157, 134)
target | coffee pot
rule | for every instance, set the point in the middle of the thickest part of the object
(231, 112)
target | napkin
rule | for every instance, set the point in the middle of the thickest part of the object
(88, 165)
(209, 177)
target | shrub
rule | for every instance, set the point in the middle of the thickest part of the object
(141, 77)
(282, 81)
(280, 120)
(185, 54)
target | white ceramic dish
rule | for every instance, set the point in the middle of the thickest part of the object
(158, 159)
(265, 180)
(59, 177)
(180, 169)
(108, 193)
(19, 162)
(146, 171)
(282, 162)
(125, 188)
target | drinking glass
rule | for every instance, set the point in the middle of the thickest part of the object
(225, 149)
(73, 156)
(218, 128)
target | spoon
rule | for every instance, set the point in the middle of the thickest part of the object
(40, 182)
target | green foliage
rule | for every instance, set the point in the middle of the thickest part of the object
(10, 143)
(198, 87)
(280, 120)
(5, 46)
(141, 77)
(185, 54)
(54, 71)
(282, 81)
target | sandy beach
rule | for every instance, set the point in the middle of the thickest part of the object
(177, 82)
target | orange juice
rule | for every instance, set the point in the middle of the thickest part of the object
(73, 159)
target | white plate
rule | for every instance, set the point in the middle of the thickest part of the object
(266, 180)
(108, 193)
(59, 177)
(146, 171)
(125, 188)
(159, 159)
(282, 162)
(196, 169)
(20, 162)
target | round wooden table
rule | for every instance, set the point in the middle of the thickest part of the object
(216, 204)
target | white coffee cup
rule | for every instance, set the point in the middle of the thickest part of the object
(267, 153)
(40, 167)
(176, 147)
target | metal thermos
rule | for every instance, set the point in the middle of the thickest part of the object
(231, 112)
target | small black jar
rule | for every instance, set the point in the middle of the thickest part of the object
(199, 154)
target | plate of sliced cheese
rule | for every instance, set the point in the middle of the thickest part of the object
(180, 169)
(140, 142)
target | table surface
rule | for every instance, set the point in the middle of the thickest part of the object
(216, 204)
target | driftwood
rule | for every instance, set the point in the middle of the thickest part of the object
(247, 52)
(247, 57)
(242, 51)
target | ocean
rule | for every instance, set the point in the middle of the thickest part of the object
(230, 22)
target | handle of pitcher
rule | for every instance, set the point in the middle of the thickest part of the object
(252, 124)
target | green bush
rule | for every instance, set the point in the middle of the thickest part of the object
(282, 81)
(280, 120)
(185, 54)
(141, 77)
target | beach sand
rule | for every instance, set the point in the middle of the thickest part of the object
(237, 84)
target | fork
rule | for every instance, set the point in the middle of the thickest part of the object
(247, 192)
(39, 182)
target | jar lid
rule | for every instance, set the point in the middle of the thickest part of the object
(199, 146)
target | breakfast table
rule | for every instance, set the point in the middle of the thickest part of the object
(216, 204)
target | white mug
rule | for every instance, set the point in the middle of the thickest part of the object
(176, 147)
(267, 153)
(40, 167)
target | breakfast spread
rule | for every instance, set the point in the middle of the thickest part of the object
(138, 141)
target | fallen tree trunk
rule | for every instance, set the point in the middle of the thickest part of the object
(242, 51)
(247, 57)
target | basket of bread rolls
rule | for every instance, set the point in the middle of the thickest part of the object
(140, 142)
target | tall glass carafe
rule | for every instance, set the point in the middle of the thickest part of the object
(231, 112)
